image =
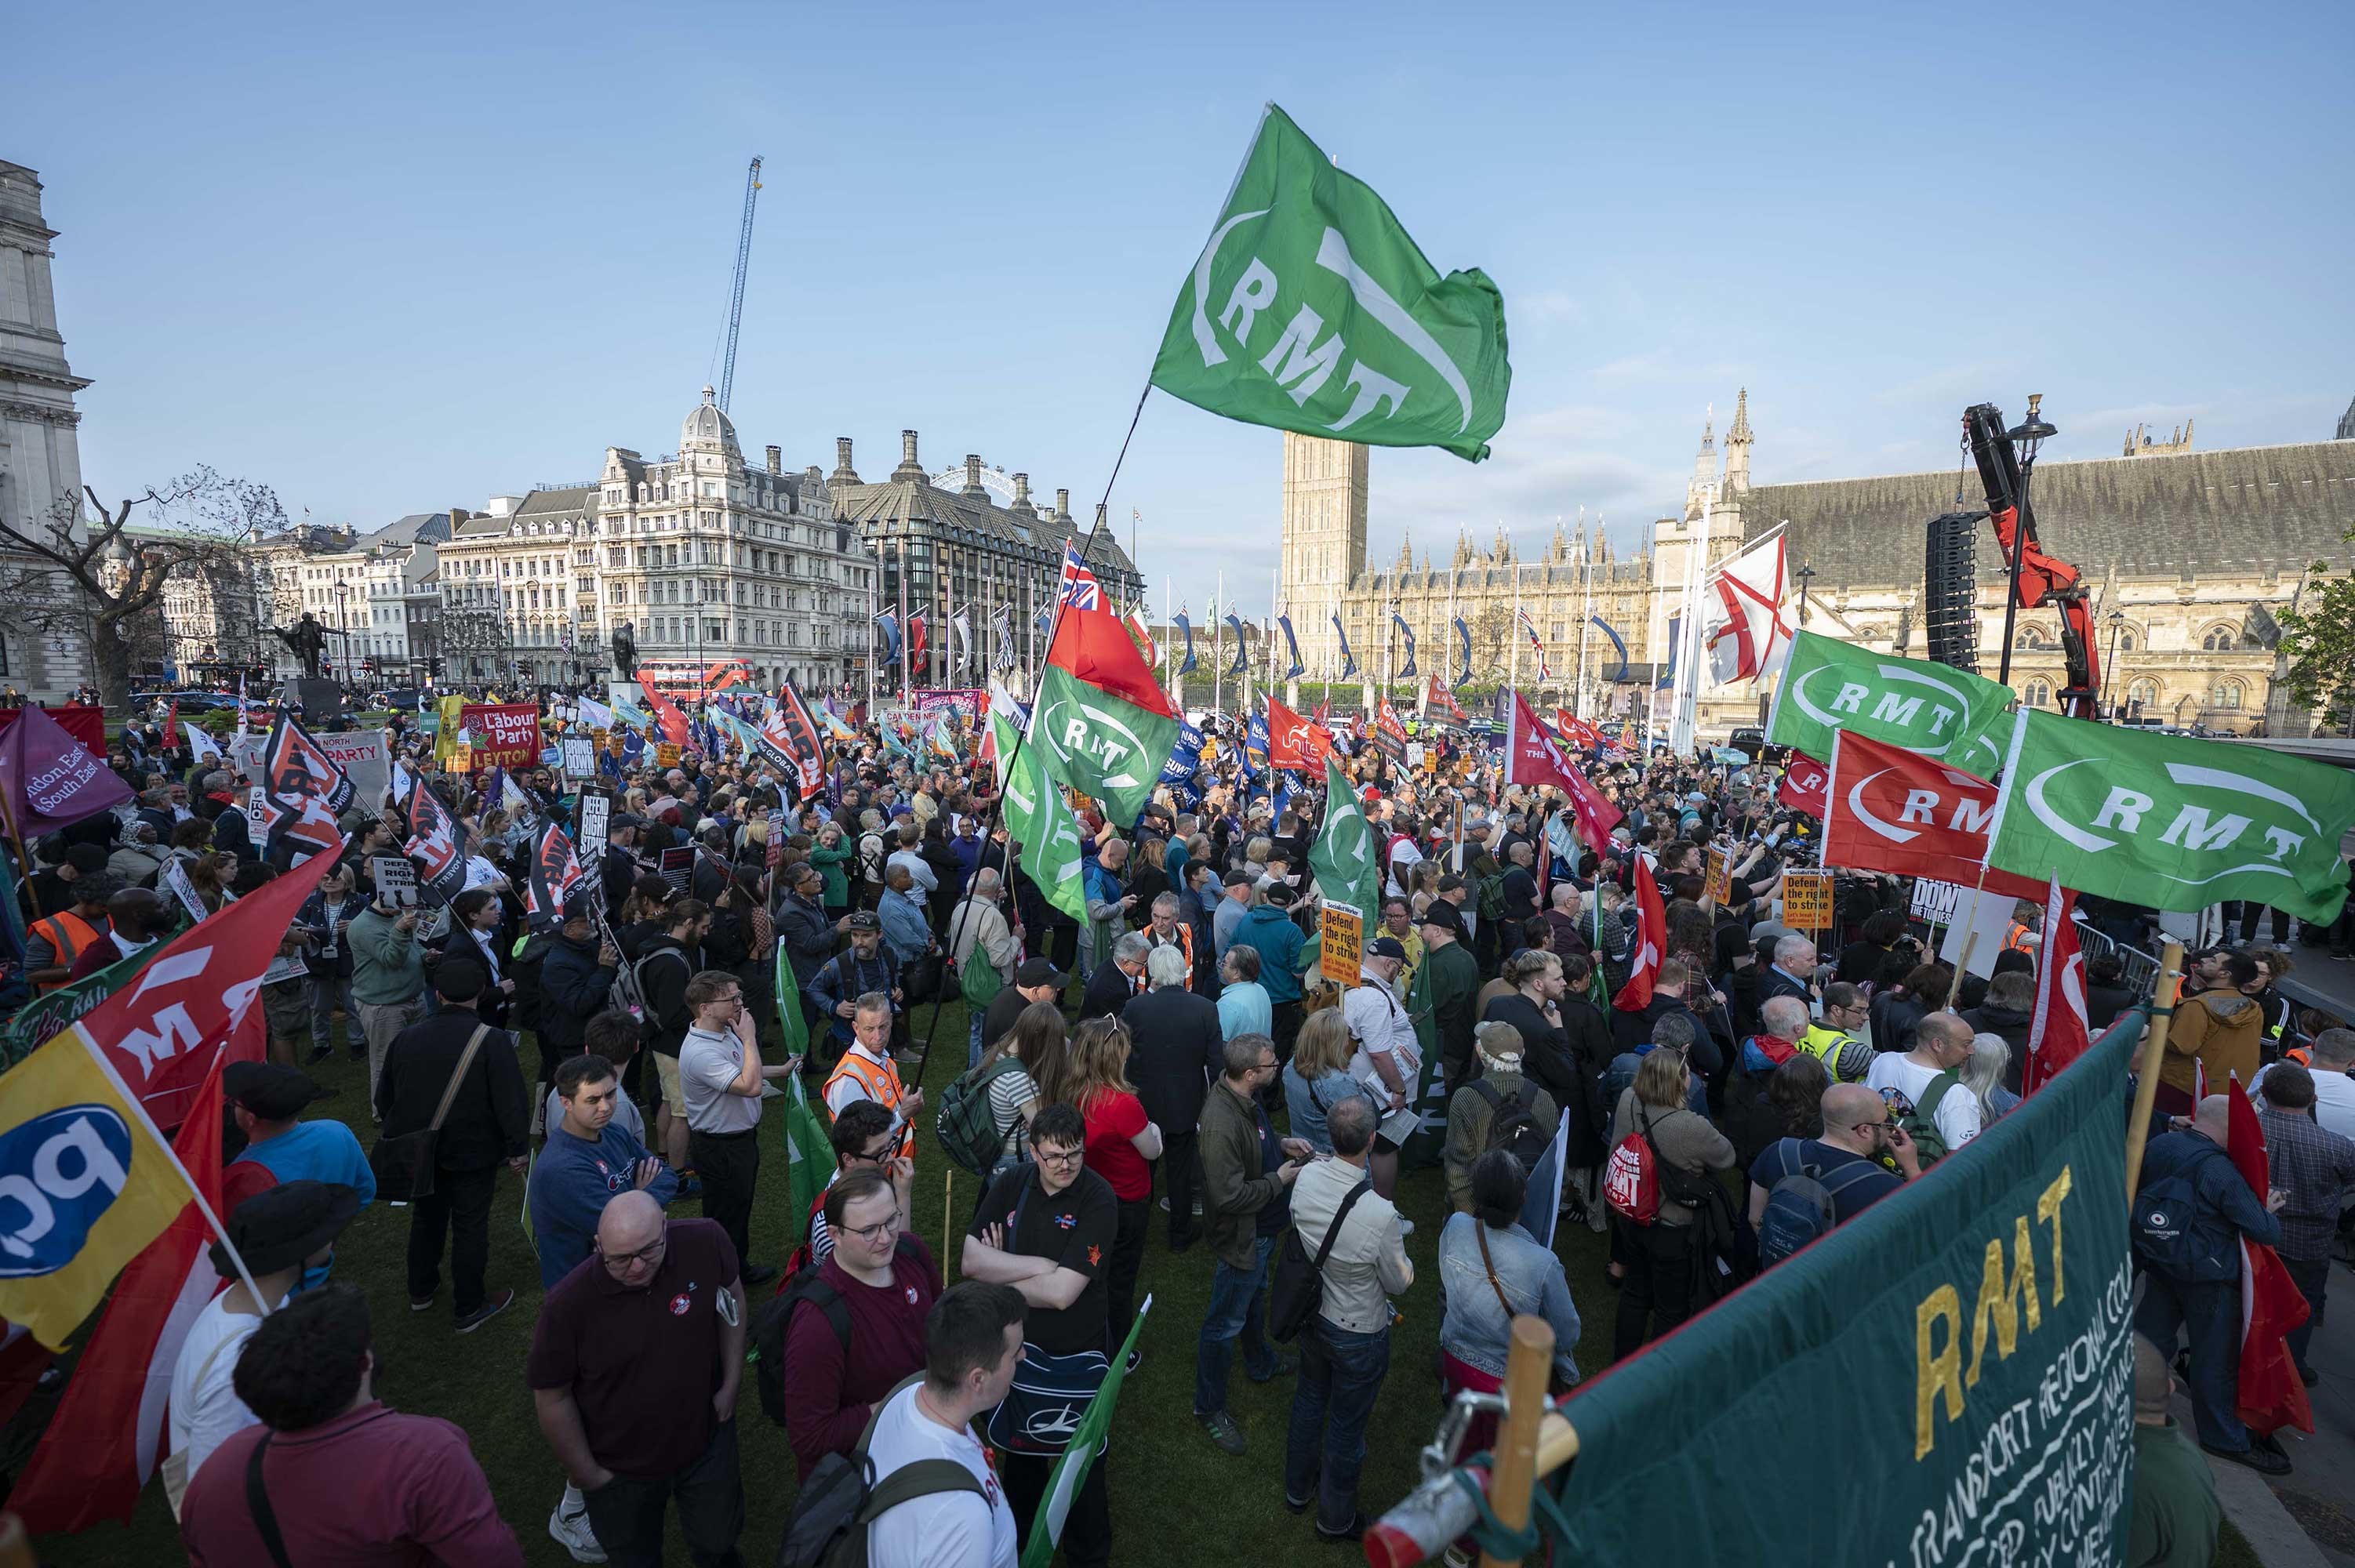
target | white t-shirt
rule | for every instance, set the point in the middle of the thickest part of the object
(946, 1530)
(1958, 1110)
(206, 1416)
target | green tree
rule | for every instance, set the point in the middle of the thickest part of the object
(2318, 643)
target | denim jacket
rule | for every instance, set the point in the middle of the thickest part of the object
(1475, 1330)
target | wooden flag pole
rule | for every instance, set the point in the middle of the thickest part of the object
(2154, 1051)
(1526, 1365)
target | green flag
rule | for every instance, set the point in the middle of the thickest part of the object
(809, 1157)
(1935, 709)
(789, 1019)
(1079, 1454)
(1311, 309)
(2171, 822)
(1343, 856)
(1037, 818)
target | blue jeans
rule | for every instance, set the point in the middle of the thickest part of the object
(1238, 1306)
(2211, 1312)
(329, 994)
(1340, 1373)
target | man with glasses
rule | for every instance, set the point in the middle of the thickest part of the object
(1860, 1133)
(1247, 1175)
(1047, 1229)
(864, 1136)
(720, 1073)
(1838, 1040)
(866, 1332)
(633, 1369)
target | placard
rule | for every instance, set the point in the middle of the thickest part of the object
(679, 866)
(462, 758)
(1718, 879)
(362, 754)
(666, 754)
(580, 755)
(396, 880)
(1935, 900)
(175, 882)
(505, 733)
(591, 813)
(1808, 900)
(776, 836)
(1341, 933)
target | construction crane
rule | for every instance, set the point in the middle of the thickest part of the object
(736, 294)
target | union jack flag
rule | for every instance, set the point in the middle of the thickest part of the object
(1544, 672)
(1080, 591)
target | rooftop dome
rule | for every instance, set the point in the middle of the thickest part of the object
(706, 427)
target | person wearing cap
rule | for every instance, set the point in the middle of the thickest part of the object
(1446, 989)
(264, 1099)
(342, 1477)
(1239, 885)
(1035, 979)
(488, 1124)
(281, 1233)
(1501, 1080)
(388, 977)
(866, 967)
(1390, 1057)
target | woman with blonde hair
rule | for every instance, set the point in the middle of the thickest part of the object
(1121, 1143)
(1317, 1078)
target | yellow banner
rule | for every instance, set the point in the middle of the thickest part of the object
(445, 734)
(84, 1185)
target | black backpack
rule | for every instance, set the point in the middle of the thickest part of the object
(1514, 1126)
(828, 1527)
(1296, 1290)
(765, 1342)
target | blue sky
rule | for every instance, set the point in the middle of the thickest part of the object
(397, 261)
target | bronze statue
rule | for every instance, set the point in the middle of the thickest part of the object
(308, 640)
(626, 650)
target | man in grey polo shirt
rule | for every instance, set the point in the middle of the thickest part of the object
(720, 1074)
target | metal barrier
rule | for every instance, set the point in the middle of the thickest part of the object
(2138, 969)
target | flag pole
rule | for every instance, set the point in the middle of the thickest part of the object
(24, 856)
(2154, 1051)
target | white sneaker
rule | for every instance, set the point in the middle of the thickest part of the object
(567, 1525)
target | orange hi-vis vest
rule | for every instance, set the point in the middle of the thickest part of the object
(1184, 944)
(68, 933)
(877, 1081)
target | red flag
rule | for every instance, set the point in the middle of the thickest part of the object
(1802, 788)
(2271, 1394)
(916, 638)
(1533, 757)
(2058, 1032)
(1887, 808)
(1437, 698)
(172, 724)
(154, 1030)
(666, 713)
(107, 1431)
(1091, 645)
(303, 789)
(792, 727)
(554, 872)
(1388, 734)
(1285, 732)
(1651, 942)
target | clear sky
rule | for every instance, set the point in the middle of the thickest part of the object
(393, 261)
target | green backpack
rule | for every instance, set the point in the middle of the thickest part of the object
(1921, 1123)
(967, 1125)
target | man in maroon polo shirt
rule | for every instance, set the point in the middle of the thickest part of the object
(634, 1368)
(885, 1281)
(342, 1479)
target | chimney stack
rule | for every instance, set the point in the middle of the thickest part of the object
(973, 485)
(843, 472)
(776, 460)
(1063, 505)
(910, 469)
(1022, 493)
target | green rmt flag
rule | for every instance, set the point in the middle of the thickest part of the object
(1312, 309)
(1935, 709)
(1037, 820)
(2171, 822)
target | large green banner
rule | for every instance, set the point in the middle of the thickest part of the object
(1947, 1379)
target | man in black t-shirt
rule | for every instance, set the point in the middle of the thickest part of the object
(1046, 1228)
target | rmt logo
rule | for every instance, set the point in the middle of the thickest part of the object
(59, 1173)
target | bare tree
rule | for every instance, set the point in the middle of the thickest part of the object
(102, 575)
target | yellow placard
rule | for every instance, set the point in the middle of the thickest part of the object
(1808, 900)
(462, 757)
(666, 754)
(1341, 936)
(1718, 883)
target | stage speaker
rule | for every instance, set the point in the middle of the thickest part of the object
(1950, 588)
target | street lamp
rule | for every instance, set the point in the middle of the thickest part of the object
(1807, 574)
(2118, 618)
(343, 624)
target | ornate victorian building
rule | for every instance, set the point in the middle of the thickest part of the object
(45, 655)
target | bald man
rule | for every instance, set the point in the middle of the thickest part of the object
(1928, 1077)
(1857, 1131)
(634, 1371)
(2192, 1272)
(135, 916)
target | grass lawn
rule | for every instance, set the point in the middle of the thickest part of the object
(1175, 1498)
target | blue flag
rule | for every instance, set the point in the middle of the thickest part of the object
(1465, 673)
(1407, 633)
(1186, 630)
(1617, 641)
(1348, 659)
(888, 625)
(1241, 657)
(1255, 743)
(1292, 645)
(1668, 670)
(1185, 757)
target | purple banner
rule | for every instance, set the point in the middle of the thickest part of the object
(54, 780)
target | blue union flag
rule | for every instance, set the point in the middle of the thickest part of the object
(1080, 591)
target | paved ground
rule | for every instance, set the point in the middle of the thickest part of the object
(2320, 1493)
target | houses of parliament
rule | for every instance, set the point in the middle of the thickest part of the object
(2191, 556)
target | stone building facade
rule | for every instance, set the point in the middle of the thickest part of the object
(2191, 557)
(43, 655)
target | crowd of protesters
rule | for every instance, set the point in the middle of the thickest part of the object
(1175, 1051)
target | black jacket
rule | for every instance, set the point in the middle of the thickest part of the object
(808, 933)
(573, 987)
(1176, 1050)
(2011, 1023)
(1108, 992)
(491, 1114)
(664, 969)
